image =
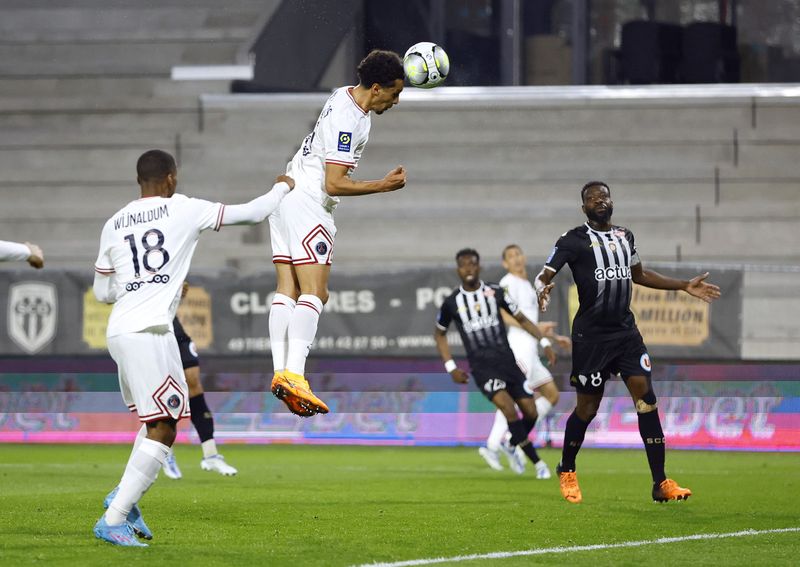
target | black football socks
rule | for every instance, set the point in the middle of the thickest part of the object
(654, 443)
(573, 439)
(202, 419)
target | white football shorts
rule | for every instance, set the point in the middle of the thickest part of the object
(302, 231)
(525, 351)
(151, 377)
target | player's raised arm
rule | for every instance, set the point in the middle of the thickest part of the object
(696, 287)
(339, 184)
(259, 208)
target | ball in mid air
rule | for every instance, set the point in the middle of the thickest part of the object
(426, 65)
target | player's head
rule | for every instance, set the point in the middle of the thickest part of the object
(513, 259)
(381, 73)
(597, 203)
(468, 263)
(156, 170)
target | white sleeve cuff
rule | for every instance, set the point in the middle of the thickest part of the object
(13, 251)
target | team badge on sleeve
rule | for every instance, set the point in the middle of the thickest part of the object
(550, 257)
(345, 139)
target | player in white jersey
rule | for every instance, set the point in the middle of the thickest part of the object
(15, 251)
(145, 252)
(525, 349)
(303, 231)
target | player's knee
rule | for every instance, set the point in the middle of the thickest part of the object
(587, 413)
(647, 403)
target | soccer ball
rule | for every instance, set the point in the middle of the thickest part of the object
(426, 65)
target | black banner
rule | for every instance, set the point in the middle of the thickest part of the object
(380, 314)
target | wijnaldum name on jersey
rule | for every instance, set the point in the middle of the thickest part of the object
(130, 219)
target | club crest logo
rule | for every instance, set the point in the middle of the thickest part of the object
(174, 401)
(321, 248)
(644, 362)
(32, 315)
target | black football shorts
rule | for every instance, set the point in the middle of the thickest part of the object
(593, 364)
(495, 375)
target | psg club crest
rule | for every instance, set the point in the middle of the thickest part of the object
(32, 315)
(170, 399)
(321, 248)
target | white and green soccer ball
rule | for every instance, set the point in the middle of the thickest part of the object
(426, 65)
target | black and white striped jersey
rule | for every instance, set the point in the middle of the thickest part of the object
(601, 267)
(477, 317)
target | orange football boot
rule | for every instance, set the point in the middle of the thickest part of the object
(569, 485)
(669, 490)
(295, 392)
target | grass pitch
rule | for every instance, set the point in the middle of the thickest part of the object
(316, 505)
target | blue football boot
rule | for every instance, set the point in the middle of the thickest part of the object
(134, 517)
(118, 535)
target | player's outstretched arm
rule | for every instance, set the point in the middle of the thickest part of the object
(259, 208)
(696, 287)
(14, 251)
(339, 184)
(456, 373)
(542, 284)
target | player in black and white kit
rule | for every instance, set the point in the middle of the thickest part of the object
(475, 307)
(605, 265)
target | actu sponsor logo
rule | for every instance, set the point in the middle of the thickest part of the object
(612, 273)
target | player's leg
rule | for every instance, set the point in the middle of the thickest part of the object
(291, 386)
(504, 403)
(309, 231)
(147, 363)
(519, 428)
(523, 427)
(539, 379)
(203, 422)
(280, 313)
(491, 452)
(313, 280)
(646, 404)
(286, 293)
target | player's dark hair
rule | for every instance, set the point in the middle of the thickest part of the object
(509, 247)
(155, 165)
(467, 252)
(382, 67)
(586, 187)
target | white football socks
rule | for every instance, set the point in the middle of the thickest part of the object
(302, 330)
(139, 475)
(543, 406)
(209, 448)
(499, 429)
(142, 434)
(280, 313)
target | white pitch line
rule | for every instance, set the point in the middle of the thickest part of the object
(507, 554)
